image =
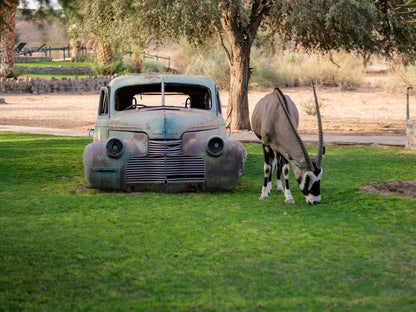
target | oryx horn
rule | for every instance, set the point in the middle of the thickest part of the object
(280, 96)
(321, 135)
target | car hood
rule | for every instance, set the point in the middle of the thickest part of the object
(165, 123)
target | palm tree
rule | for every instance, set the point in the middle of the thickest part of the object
(409, 11)
(7, 34)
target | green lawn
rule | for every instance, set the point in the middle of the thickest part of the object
(65, 247)
(52, 64)
(52, 75)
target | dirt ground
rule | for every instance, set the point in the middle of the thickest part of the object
(394, 188)
(360, 112)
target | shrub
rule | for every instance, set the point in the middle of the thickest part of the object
(152, 67)
(116, 66)
(408, 75)
(210, 62)
(295, 69)
(288, 69)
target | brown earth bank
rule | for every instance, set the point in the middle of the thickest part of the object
(394, 188)
(368, 111)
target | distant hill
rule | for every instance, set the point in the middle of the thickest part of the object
(36, 33)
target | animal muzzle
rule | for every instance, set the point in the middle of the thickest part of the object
(312, 199)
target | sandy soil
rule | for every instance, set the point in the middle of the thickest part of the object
(362, 112)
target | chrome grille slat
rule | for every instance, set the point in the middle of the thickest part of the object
(165, 163)
(165, 148)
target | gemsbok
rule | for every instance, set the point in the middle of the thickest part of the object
(274, 121)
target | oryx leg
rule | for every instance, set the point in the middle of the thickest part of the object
(269, 163)
(280, 162)
(288, 195)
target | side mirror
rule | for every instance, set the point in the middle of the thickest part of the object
(229, 129)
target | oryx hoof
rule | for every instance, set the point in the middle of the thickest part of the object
(263, 197)
(289, 201)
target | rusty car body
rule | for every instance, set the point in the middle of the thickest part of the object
(163, 133)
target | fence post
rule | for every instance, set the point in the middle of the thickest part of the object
(410, 125)
(407, 106)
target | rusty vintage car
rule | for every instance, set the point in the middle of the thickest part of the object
(162, 133)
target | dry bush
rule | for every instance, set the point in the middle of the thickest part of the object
(295, 69)
(268, 71)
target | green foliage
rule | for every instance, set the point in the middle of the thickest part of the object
(367, 27)
(152, 67)
(66, 247)
(115, 24)
(16, 74)
(116, 65)
(408, 10)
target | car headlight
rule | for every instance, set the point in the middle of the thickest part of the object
(215, 146)
(115, 147)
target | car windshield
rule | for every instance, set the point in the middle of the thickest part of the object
(163, 94)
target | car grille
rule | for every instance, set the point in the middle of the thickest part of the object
(165, 148)
(165, 163)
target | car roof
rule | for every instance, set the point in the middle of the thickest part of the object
(129, 80)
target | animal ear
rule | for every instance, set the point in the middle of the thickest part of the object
(316, 158)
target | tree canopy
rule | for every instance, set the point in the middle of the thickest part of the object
(366, 27)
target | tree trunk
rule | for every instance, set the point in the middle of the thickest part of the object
(136, 63)
(240, 36)
(7, 39)
(76, 49)
(104, 57)
(366, 61)
(238, 116)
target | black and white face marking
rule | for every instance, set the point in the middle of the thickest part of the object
(309, 184)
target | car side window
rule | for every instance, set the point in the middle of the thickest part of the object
(103, 103)
(219, 109)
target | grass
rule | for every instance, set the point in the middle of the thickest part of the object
(65, 247)
(52, 64)
(48, 76)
